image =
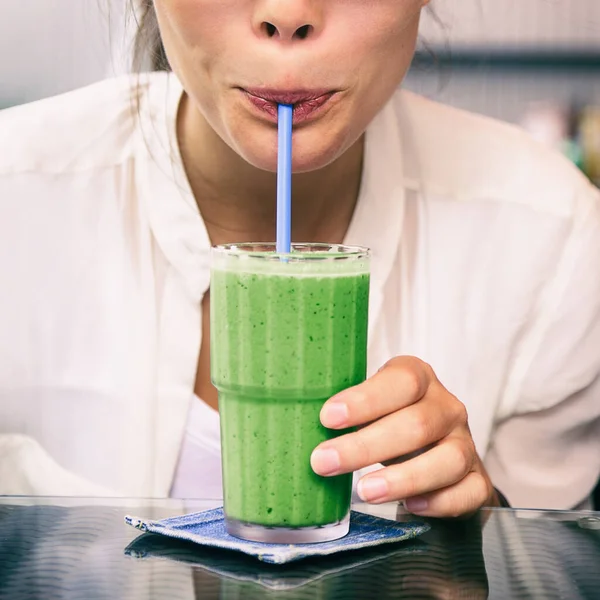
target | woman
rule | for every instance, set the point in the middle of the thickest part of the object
(486, 252)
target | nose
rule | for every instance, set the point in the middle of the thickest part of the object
(288, 20)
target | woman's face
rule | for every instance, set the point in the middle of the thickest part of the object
(337, 61)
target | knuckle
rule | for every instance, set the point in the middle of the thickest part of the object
(412, 374)
(460, 458)
(421, 429)
(482, 489)
(458, 512)
(464, 498)
(390, 363)
(427, 369)
(462, 415)
(395, 361)
(454, 511)
(422, 367)
(412, 381)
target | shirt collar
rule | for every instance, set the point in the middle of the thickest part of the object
(172, 210)
(379, 214)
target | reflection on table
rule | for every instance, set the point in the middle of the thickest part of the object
(60, 548)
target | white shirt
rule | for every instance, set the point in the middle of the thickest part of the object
(486, 264)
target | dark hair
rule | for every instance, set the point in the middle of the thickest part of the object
(148, 50)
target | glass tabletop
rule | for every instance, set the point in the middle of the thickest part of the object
(59, 548)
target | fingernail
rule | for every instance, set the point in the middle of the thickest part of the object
(372, 489)
(334, 414)
(325, 461)
(416, 504)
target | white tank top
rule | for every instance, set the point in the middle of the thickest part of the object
(198, 473)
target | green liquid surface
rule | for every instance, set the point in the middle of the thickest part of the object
(281, 345)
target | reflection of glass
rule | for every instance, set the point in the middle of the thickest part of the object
(243, 570)
(287, 333)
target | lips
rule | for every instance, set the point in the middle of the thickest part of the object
(306, 103)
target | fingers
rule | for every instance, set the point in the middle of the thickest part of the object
(443, 465)
(399, 383)
(390, 437)
(405, 414)
(462, 498)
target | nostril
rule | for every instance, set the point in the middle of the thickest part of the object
(270, 29)
(302, 32)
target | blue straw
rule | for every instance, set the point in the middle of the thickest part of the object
(284, 179)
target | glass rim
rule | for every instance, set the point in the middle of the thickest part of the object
(301, 251)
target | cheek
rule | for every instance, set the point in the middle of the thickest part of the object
(195, 31)
(382, 53)
(196, 41)
(386, 40)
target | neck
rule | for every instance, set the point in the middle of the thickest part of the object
(237, 200)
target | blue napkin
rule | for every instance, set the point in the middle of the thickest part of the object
(208, 529)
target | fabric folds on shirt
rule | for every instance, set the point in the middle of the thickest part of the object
(486, 254)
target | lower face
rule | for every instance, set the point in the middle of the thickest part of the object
(338, 77)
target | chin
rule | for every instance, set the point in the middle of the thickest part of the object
(312, 159)
(310, 151)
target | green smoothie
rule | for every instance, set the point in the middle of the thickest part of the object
(285, 337)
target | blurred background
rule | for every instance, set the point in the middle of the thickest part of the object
(53, 46)
(535, 63)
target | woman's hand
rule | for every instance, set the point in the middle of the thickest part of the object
(400, 411)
